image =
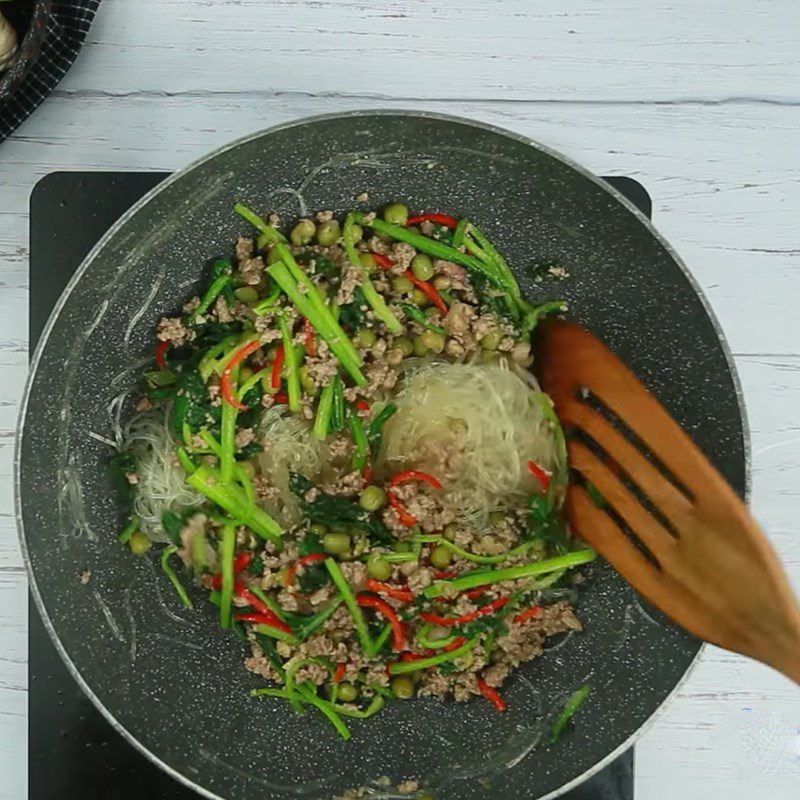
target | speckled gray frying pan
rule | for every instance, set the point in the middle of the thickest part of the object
(169, 679)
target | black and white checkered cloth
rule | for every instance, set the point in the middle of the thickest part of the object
(66, 30)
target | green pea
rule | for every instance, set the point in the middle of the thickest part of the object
(379, 568)
(372, 498)
(402, 687)
(396, 214)
(441, 557)
(273, 257)
(355, 233)
(247, 467)
(450, 532)
(337, 544)
(419, 298)
(433, 341)
(401, 547)
(303, 232)
(420, 348)
(138, 543)
(245, 373)
(328, 233)
(404, 345)
(247, 294)
(422, 267)
(442, 282)
(318, 528)
(365, 337)
(402, 285)
(492, 339)
(497, 518)
(348, 693)
(306, 381)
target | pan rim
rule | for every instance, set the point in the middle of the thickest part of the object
(178, 175)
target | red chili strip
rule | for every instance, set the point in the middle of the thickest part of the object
(242, 561)
(384, 262)
(439, 219)
(474, 594)
(301, 562)
(491, 695)
(429, 292)
(528, 613)
(225, 380)
(309, 337)
(450, 622)
(414, 475)
(277, 366)
(240, 590)
(382, 607)
(338, 673)
(455, 644)
(409, 520)
(541, 475)
(366, 473)
(416, 656)
(443, 575)
(362, 405)
(403, 595)
(281, 398)
(161, 349)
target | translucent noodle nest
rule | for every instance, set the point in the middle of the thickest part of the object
(162, 482)
(474, 426)
(289, 446)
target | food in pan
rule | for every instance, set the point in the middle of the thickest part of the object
(340, 440)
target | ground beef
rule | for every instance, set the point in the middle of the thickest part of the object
(243, 437)
(172, 330)
(402, 254)
(221, 310)
(348, 485)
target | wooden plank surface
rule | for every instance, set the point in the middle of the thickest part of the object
(700, 103)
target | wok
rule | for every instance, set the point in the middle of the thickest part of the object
(169, 679)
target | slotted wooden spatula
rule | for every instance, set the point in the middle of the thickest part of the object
(669, 523)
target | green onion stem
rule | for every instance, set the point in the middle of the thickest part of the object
(232, 499)
(322, 421)
(272, 234)
(399, 667)
(419, 316)
(433, 644)
(570, 707)
(276, 633)
(290, 365)
(352, 605)
(487, 577)
(173, 578)
(226, 548)
(126, 533)
(371, 295)
(186, 462)
(227, 458)
(208, 362)
(210, 296)
(373, 708)
(359, 458)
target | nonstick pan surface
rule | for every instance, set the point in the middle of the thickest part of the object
(169, 679)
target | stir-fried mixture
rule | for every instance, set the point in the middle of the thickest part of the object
(342, 443)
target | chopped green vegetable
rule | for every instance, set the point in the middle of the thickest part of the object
(352, 605)
(359, 459)
(173, 578)
(487, 577)
(419, 316)
(375, 432)
(226, 547)
(401, 667)
(322, 421)
(290, 365)
(127, 531)
(570, 707)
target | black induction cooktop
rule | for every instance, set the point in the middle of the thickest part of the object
(73, 751)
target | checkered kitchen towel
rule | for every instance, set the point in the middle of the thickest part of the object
(66, 30)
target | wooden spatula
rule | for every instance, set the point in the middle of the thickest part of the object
(669, 523)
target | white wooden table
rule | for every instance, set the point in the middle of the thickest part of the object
(699, 101)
